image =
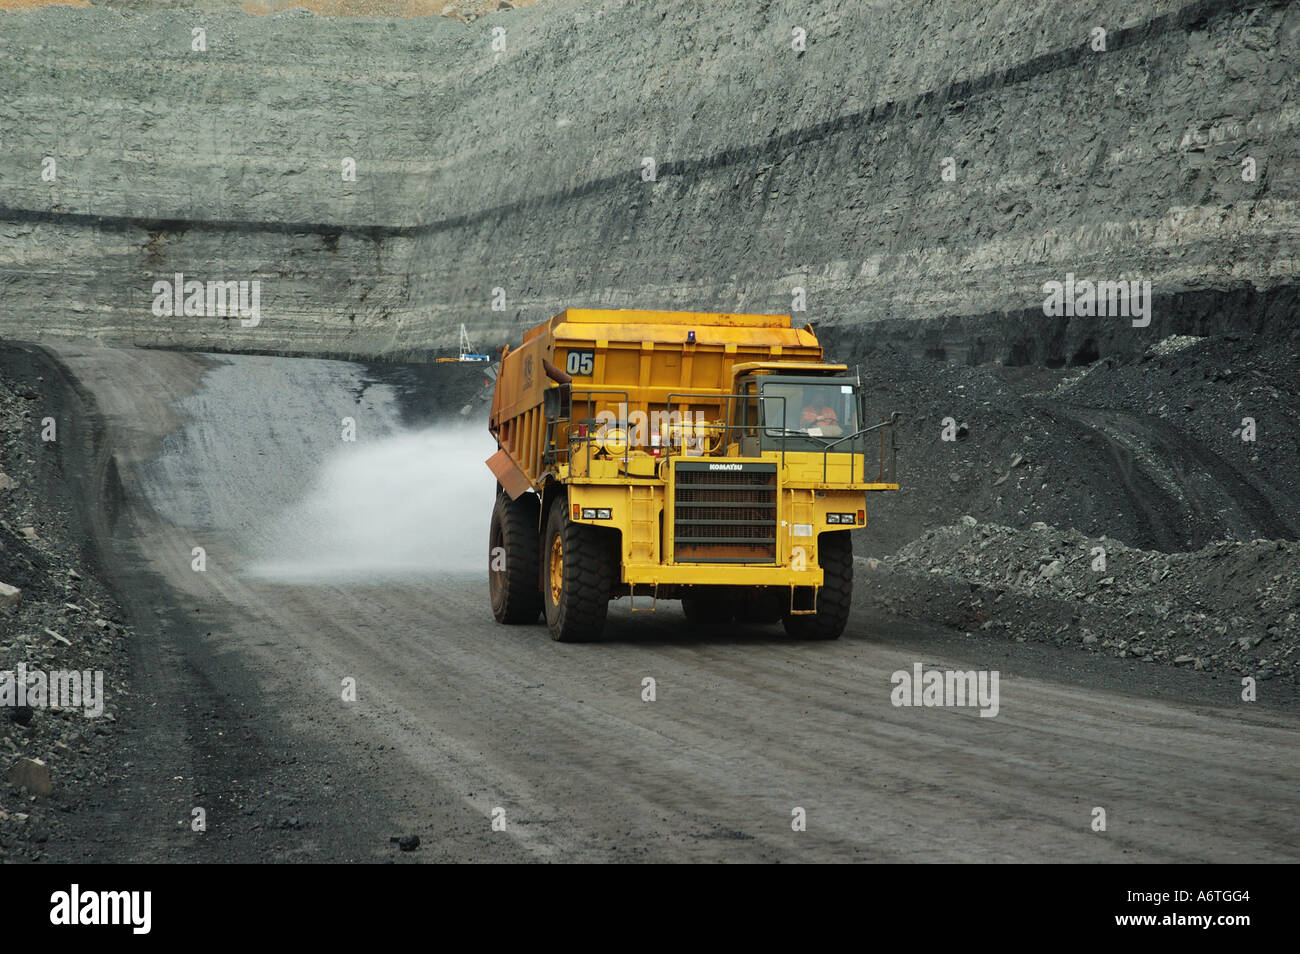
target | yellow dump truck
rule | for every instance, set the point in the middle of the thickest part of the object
(710, 458)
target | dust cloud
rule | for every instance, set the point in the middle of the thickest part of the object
(400, 509)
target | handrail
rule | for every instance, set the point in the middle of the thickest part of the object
(587, 439)
(853, 456)
(588, 396)
(728, 428)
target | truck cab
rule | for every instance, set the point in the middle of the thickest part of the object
(796, 407)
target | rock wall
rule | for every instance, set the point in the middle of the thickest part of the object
(523, 170)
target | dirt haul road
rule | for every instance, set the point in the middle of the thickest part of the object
(328, 560)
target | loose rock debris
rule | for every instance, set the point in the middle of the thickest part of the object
(1231, 606)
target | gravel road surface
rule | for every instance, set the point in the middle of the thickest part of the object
(238, 678)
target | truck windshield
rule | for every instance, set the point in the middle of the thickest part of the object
(822, 409)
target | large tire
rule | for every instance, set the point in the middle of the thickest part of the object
(835, 555)
(577, 576)
(516, 596)
(760, 606)
(707, 610)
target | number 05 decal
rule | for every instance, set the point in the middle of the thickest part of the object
(580, 363)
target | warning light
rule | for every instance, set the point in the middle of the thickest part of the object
(862, 516)
(577, 511)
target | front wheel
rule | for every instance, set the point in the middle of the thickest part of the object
(577, 576)
(835, 555)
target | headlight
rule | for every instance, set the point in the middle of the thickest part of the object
(596, 513)
(844, 518)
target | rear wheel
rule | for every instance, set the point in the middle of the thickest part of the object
(835, 555)
(707, 610)
(759, 605)
(513, 553)
(577, 576)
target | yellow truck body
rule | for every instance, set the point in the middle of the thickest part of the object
(678, 455)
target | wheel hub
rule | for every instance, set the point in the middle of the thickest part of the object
(557, 568)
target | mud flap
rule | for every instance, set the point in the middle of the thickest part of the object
(512, 480)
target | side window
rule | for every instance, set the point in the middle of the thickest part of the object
(849, 417)
(747, 411)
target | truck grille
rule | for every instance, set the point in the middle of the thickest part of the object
(724, 516)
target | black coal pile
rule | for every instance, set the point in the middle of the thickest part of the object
(1150, 450)
(1231, 606)
(56, 617)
